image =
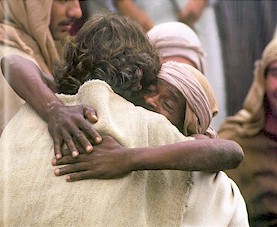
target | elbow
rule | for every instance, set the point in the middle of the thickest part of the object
(6, 63)
(237, 154)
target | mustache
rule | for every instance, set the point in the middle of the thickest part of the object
(66, 22)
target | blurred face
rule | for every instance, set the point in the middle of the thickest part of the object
(165, 99)
(63, 15)
(271, 86)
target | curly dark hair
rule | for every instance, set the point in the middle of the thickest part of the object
(111, 48)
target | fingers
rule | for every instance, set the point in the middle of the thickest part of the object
(81, 176)
(57, 147)
(90, 114)
(91, 132)
(68, 160)
(70, 144)
(72, 168)
(82, 140)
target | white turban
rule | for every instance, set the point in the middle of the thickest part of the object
(178, 39)
(201, 105)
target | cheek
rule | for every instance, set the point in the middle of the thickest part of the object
(53, 21)
(166, 114)
(271, 86)
(173, 118)
(271, 93)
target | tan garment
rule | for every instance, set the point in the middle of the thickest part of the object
(201, 105)
(33, 196)
(24, 30)
(250, 120)
(257, 174)
(25, 25)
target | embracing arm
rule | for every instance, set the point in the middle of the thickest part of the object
(37, 89)
(30, 83)
(111, 160)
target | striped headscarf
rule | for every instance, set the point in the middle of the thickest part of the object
(201, 105)
(178, 39)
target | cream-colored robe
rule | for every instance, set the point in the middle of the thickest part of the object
(24, 30)
(33, 196)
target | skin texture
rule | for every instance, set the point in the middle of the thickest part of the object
(165, 99)
(63, 15)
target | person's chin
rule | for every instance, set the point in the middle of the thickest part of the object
(61, 35)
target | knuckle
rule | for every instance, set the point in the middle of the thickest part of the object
(67, 139)
(79, 135)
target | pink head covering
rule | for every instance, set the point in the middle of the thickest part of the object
(178, 39)
(201, 105)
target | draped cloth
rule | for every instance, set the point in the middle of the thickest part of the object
(24, 31)
(250, 120)
(201, 105)
(178, 39)
(33, 196)
(25, 25)
(256, 175)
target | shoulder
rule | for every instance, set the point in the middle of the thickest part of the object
(9, 50)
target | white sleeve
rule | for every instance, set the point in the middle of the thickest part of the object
(214, 200)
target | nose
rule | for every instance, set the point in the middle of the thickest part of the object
(151, 102)
(74, 9)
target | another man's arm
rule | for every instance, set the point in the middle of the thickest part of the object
(130, 9)
(37, 89)
(111, 160)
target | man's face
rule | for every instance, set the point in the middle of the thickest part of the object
(271, 86)
(165, 99)
(63, 15)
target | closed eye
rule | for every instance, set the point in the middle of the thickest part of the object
(168, 105)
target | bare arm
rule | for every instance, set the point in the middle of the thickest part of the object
(129, 8)
(192, 11)
(37, 89)
(111, 160)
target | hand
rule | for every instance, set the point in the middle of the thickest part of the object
(192, 12)
(108, 160)
(67, 121)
